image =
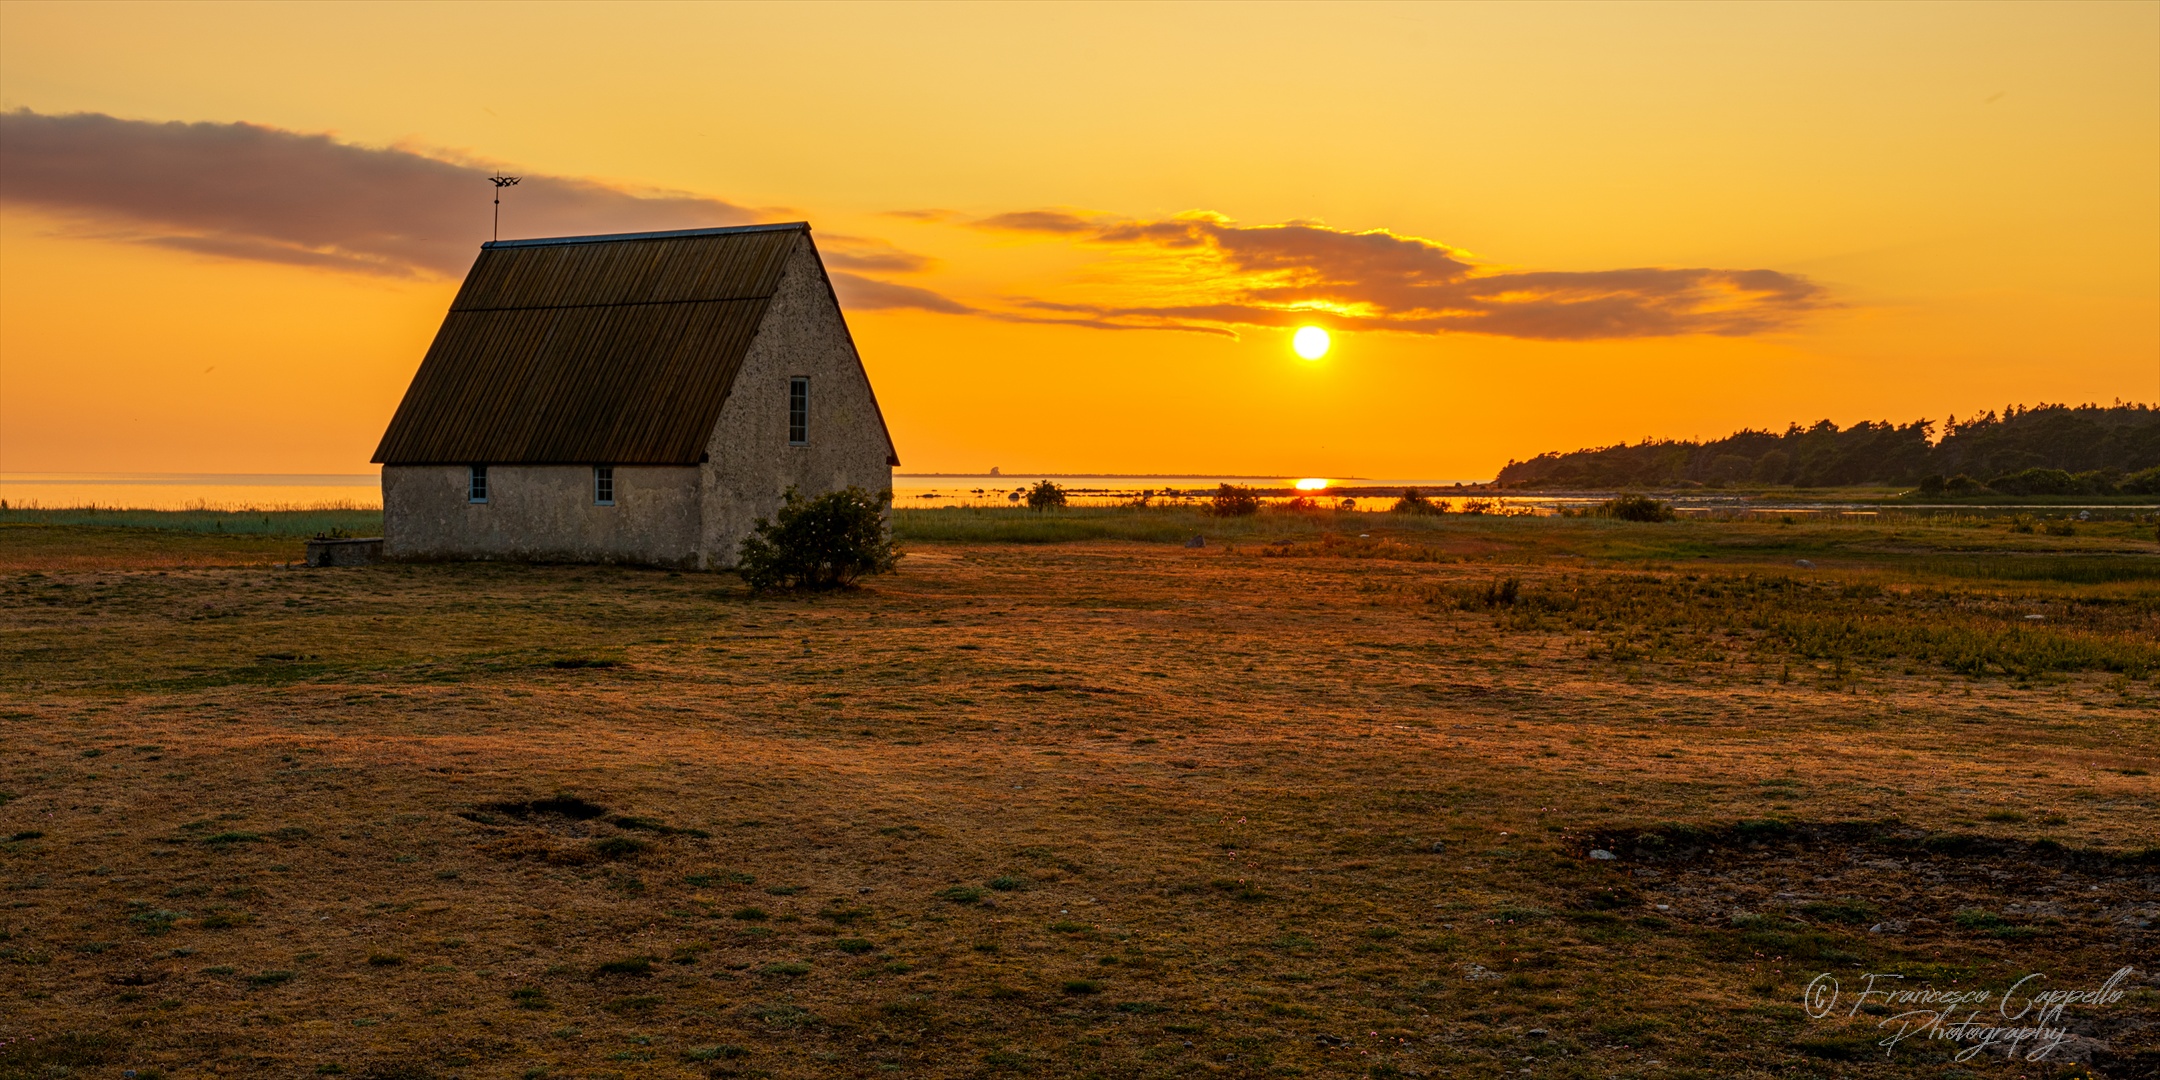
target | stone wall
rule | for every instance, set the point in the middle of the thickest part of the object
(749, 463)
(543, 513)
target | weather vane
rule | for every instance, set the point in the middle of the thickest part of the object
(500, 181)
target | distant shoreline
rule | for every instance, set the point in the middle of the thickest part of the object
(1103, 476)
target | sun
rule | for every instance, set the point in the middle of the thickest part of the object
(1311, 342)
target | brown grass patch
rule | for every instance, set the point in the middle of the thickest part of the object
(1113, 809)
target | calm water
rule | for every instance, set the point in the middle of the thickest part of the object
(192, 491)
(300, 491)
(277, 491)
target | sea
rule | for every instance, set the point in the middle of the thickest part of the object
(311, 491)
(363, 491)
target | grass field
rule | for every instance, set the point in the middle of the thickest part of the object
(1063, 797)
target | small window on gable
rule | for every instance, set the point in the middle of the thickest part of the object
(798, 411)
(603, 485)
(476, 485)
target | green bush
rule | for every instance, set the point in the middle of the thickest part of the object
(1962, 484)
(1414, 501)
(2053, 482)
(1232, 500)
(821, 543)
(1635, 508)
(2146, 482)
(1932, 484)
(1046, 496)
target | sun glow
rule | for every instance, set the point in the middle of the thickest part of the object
(1311, 342)
(1310, 484)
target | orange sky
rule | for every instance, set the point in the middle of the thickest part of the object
(1601, 222)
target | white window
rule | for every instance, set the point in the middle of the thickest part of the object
(798, 411)
(476, 485)
(603, 485)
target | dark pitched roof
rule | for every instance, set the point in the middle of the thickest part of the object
(591, 349)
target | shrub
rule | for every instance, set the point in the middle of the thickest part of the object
(1932, 484)
(1962, 484)
(1502, 593)
(2033, 482)
(1232, 500)
(2146, 482)
(1635, 508)
(821, 543)
(2053, 482)
(1046, 496)
(1414, 501)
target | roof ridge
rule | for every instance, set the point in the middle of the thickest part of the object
(541, 241)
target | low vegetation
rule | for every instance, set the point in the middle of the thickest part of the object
(1045, 496)
(826, 542)
(1335, 794)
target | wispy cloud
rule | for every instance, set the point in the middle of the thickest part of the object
(1047, 221)
(870, 253)
(930, 215)
(1204, 272)
(868, 294)
(246, 191)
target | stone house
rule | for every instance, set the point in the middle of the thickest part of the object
(636, 398)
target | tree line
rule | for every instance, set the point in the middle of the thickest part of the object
(2041, 450)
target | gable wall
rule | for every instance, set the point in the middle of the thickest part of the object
(749, 463)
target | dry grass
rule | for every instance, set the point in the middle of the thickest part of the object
(1109, 809)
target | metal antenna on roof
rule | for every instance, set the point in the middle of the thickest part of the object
(500, 181)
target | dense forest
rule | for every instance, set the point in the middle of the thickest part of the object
(2043, 450)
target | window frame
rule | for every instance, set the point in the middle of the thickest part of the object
(476, 485)
(798, 410)
(603, 485)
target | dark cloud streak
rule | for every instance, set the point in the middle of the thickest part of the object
(246, 191)
(868, 294)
